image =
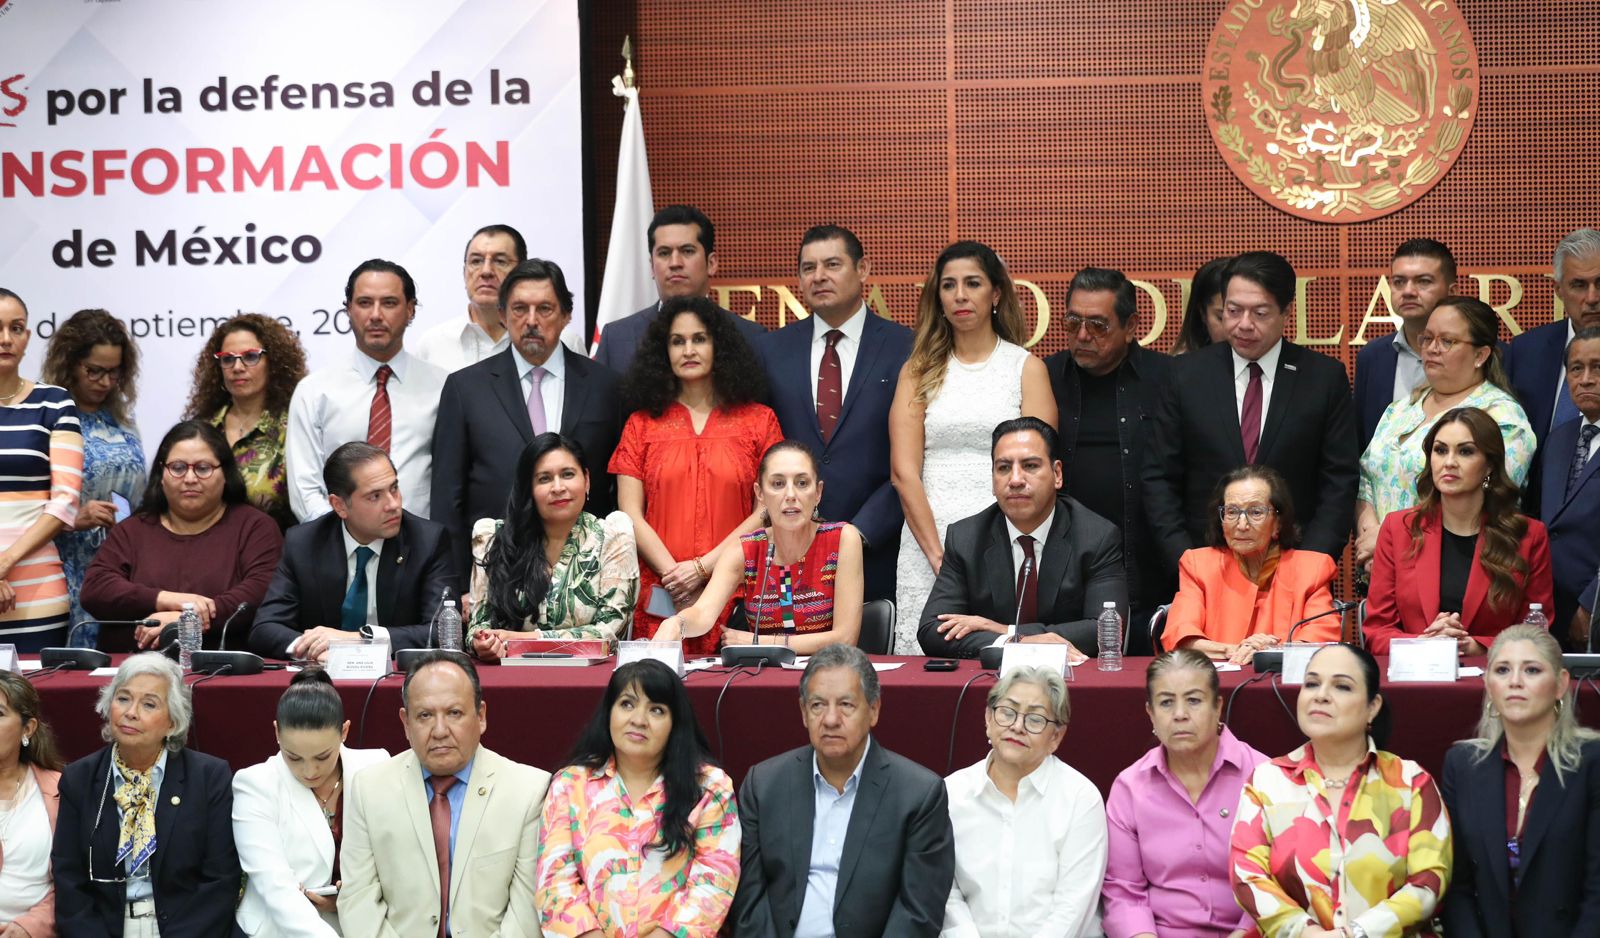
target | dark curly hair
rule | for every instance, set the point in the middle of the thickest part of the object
(736, 375)
(286, 365)
(72, 343)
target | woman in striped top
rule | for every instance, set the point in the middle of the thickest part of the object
(41, 468)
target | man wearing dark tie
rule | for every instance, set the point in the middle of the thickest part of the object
(1421, 273)
(1569, 504)
(1534, 360)
(489, 412)
(1291, 410)
(831, 379)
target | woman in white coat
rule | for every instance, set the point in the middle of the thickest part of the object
(288, 815)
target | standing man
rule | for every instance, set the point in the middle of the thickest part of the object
(1106, 385)
(1569, 504)
(831, 378)
(489, 412)
(1290, 410)
(1534, 360)
(452, 345)
(382, 395)
(1421, 273)
(682, 260)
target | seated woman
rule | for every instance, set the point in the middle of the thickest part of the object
(195, 539)
(1245, 591)
(30, 773)
(1465, 563)
(551, 569)
(143, 828)
(1339, 837)
(1525, 800)
(288, 814)
(1182, 793)
(641, 837)
(1048, 814)
(799, 577)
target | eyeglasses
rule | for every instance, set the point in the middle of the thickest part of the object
(1255, 514)
(1099, 327)
(1445, 342)
(1034, 723)
(96, 373)
(250, 356)
(202, 470)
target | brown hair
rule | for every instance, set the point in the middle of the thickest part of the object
(72, 343)
(1483, 331)
(935, 340)
(24, 699)
(286, 365)
(1282, 503)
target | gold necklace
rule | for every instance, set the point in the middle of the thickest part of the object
(323, 802)
(8, 398)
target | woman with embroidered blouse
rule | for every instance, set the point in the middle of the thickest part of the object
(550, 569)
(640, 832)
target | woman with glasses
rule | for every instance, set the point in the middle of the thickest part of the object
(41, 462)
(1250, 587)
(30, 776)
(94, 358)
(1462, 363)
(195, 539)
(246, 374)
(1030, 830)
(144, 844)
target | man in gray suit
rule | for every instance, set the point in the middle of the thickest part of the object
(806, 870)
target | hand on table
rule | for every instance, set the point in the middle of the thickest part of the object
(149, 636)
(312, 645)
(173, 602)
(1245, 651)
(670, 630)
(1074, 656)
(954, 626)
(494, 644)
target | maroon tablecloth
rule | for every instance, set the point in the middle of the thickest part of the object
(534, 714)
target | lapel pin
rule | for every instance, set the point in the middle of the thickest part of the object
(176, 799)
(482, 790)
(399, 560)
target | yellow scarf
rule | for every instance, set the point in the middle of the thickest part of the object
(137, 799)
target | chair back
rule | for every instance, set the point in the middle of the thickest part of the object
(1158, 624)
(877, 627)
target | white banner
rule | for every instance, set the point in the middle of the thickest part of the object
(177, 162)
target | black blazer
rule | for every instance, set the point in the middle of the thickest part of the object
(1080, 570)
(1558, 882)
(619, 341)
(483, 427)
(1308, 434)
(414, 572)
(195, 869)
(899, 852)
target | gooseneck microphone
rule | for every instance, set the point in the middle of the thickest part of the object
(223, 660)
(734, 656)
(989, 657)
(1271, 659)
(85, 659)
(405, 658)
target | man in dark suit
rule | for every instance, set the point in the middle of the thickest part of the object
(1570, 501)
(831, 380)
(1036, 558)
(682, 261)
(491, 411)
(842, 837)
(1421, 273)
(1255, 399)
(369, 568)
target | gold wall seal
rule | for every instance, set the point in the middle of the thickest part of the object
(1340, 110)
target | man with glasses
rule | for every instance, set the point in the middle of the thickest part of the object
(1106, 385)
(453, 344)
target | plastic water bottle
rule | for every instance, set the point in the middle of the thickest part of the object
(1536, 616)
(188, 636)
(447, 625)
(1110, 635)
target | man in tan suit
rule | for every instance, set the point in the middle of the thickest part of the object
(449, 811)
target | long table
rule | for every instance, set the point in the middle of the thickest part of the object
(935, 718)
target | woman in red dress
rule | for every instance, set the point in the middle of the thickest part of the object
(686, 464)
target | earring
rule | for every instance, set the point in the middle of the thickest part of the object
(994, 310)
(1486, 482)
(766, 519)
(25, 739)
(816, 513)
(1493, 713)
(1558, 705)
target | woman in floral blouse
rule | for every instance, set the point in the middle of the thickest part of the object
(551, 569)
(640, 833)
(1339, 837)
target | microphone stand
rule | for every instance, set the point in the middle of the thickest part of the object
(1271, 660)
(405, 659)
(222, 660)
(736, 656)
(989, 658)
(84, 659)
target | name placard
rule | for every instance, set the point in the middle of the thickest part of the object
(1296, 655)
(1017, 655)
(357, 661)
(668, 653)
(1423, 659)
(8, 659)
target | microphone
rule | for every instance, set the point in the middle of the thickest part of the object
(734, 656)
(989, 657)
(84, 659)
(220, 660)
(406, 658)
(1272, 659)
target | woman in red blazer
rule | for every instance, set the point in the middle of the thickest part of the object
(29, 770)
(1464, 563)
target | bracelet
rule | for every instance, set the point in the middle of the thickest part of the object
(700, 569)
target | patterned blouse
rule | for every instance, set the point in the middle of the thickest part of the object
(596, 869)
(113, 462)
(259, 454)
(593, 585)
(1378, 856)
(1394, 458)
(795, 599)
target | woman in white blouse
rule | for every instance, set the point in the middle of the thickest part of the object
(29, 772)
(1030, 830)
(288, 815)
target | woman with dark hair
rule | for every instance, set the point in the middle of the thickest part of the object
(288, 814)
(1465, 563)
(551, 569)
(30, 772)
(94, 358)
(686, 463)
(1203, 324)
(798, 576)
(1339, 837)
(967, 372)
(195, 539)
(640, 832)
(1245, 591)
(243, 380)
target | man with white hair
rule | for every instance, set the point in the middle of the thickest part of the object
(1536, 360)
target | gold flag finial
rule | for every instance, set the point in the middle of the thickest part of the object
(627, 61)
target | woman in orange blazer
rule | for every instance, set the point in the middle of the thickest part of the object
(1464, 563)
(29, 770)
(1245, 591)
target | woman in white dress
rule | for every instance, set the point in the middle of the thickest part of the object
(967, 372)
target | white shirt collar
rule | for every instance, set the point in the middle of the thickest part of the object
(350, 543)
(1268, 361)
(852, 327)
(367, 366)
(555, 366)
(1038, 779)
(855, 776)
(1039, 534)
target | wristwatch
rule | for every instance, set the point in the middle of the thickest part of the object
(1355, 931)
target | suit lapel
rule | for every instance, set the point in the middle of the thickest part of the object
(507, 389)
(1228, 397)
(1553, 490)
(576, 391)
(1283, 388)
(1053, 569)
(168, 802)
(1477, 583)
(869, 796)
(1541, 812)
(1489, 784)
(1560, 477)
(802, 799)
(480, 786)
(302, 805)
(796, 371)
(333, 572)
(997, 561)
(391, 564)
(1425, 566)
(413, 792)
(871, 337)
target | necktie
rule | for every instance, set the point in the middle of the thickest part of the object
(1565, 408)
(1027, 582)
(136, 798)
(1581, 455)
(378, 419)
(830, 386)
(353, 611)
(536, 401)
(1250, 415)
(439, 815)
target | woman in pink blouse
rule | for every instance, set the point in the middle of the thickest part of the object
(1169, 814)
(640, 833)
